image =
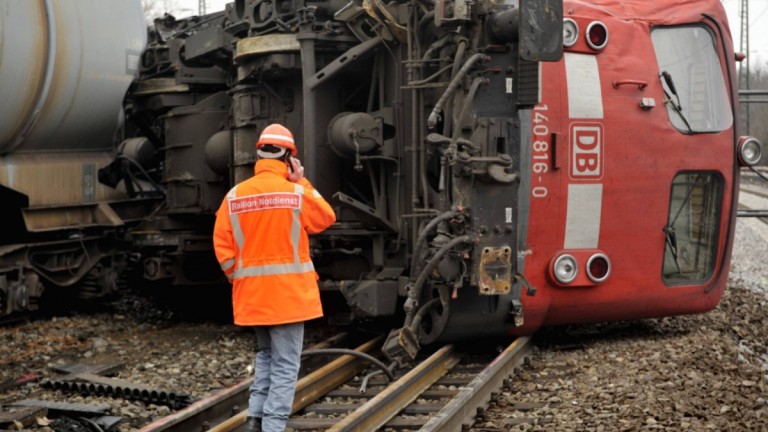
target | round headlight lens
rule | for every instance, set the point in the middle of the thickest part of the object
(750, 151)
(570, 32)
(597, 35)
(565, 269)
(598, 268)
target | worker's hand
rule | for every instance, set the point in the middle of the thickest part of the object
(296, 172)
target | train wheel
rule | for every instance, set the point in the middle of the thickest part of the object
(436, 318)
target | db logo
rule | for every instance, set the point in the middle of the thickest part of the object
(586, 150)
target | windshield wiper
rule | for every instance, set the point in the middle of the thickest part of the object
(676, 105)
(671, 240)
(670, 234)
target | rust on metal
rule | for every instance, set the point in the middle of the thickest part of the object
(266, 44)
(386, 405)
(496, 270)
(24, 416)
(160, 86)
(315, 385)
(477, 394)
(74, 216)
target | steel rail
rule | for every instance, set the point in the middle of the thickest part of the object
(316, 384)
(219, 406)
(747, 211)
(383, 407)
(463, 408)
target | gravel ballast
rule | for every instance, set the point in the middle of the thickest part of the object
(687, 373)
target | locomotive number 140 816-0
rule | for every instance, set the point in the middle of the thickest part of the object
(541, 151)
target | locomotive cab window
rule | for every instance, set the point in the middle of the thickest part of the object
(692, 78)
(690, 248)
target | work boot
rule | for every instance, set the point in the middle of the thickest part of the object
(253, 424)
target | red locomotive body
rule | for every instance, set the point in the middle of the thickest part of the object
(634, 176)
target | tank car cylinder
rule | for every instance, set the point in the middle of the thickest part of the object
(505, 25)
(64, 70)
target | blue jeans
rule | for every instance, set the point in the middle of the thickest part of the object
(277, 367)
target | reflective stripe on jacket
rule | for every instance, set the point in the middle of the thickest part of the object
(261, 241)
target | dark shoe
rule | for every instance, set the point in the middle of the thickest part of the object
(253, 424)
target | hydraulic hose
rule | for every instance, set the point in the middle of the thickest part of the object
(461, 50)
(423, 235)
(419, 316)
(433, 116)
(362, 355)
(415, 292)
(465, 108)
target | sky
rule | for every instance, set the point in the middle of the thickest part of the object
(210, 5)
(758, 25)
(758, 28)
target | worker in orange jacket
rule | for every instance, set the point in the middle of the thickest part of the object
(261, 241)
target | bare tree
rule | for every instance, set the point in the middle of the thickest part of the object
(158, 8)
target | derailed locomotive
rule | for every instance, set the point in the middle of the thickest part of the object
(495, 167)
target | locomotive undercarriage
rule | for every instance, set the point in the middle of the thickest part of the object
(408, 119)
(420, 121)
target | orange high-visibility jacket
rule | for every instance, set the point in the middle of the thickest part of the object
(261, 241)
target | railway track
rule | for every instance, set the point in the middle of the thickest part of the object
(753, 203)
(753, 199)
(561, 394)
(444, 392)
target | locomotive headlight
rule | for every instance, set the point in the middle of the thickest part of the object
(750, 151)
(565, 268)
(570, 32)
(597, 35)
(598, 268)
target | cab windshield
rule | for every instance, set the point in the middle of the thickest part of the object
(692, 78)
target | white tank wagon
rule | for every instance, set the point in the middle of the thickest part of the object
(65, 67)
